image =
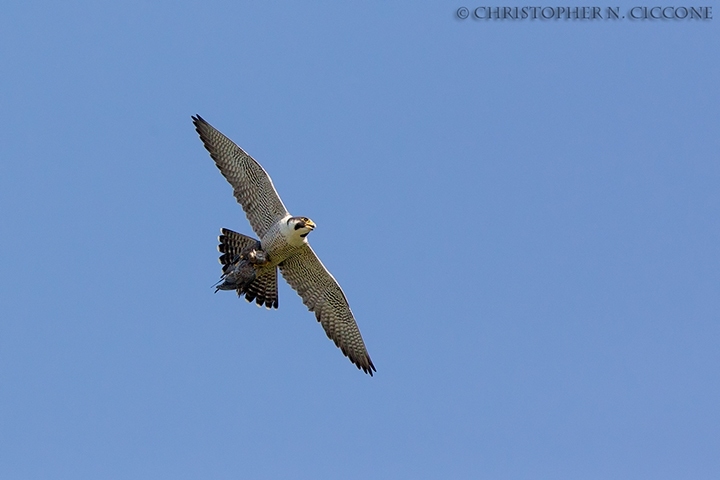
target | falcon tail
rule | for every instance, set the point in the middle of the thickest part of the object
(260, 287)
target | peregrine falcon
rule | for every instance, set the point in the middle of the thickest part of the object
(250, 265)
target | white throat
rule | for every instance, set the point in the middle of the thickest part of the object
(292, 236)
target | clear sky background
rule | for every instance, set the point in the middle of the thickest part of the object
(524, 217)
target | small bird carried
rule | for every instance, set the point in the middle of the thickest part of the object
(240, 272)
(250, 266)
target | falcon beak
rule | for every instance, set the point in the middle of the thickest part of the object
(310, 224)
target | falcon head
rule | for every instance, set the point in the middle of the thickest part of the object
(301, 225)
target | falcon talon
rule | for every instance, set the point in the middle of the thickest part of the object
(249, 266)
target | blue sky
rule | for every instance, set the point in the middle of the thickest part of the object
(523, 215)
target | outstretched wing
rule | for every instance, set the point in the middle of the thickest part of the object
(252, 186)
(321, 293)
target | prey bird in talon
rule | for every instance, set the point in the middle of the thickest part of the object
(240, 270)
(250, 266)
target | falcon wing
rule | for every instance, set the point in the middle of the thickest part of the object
(321, 294)
(252, 186)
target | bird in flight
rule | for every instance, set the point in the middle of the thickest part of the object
(250, 266)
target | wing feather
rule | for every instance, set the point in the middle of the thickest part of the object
(321, 293)
(251, 185)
